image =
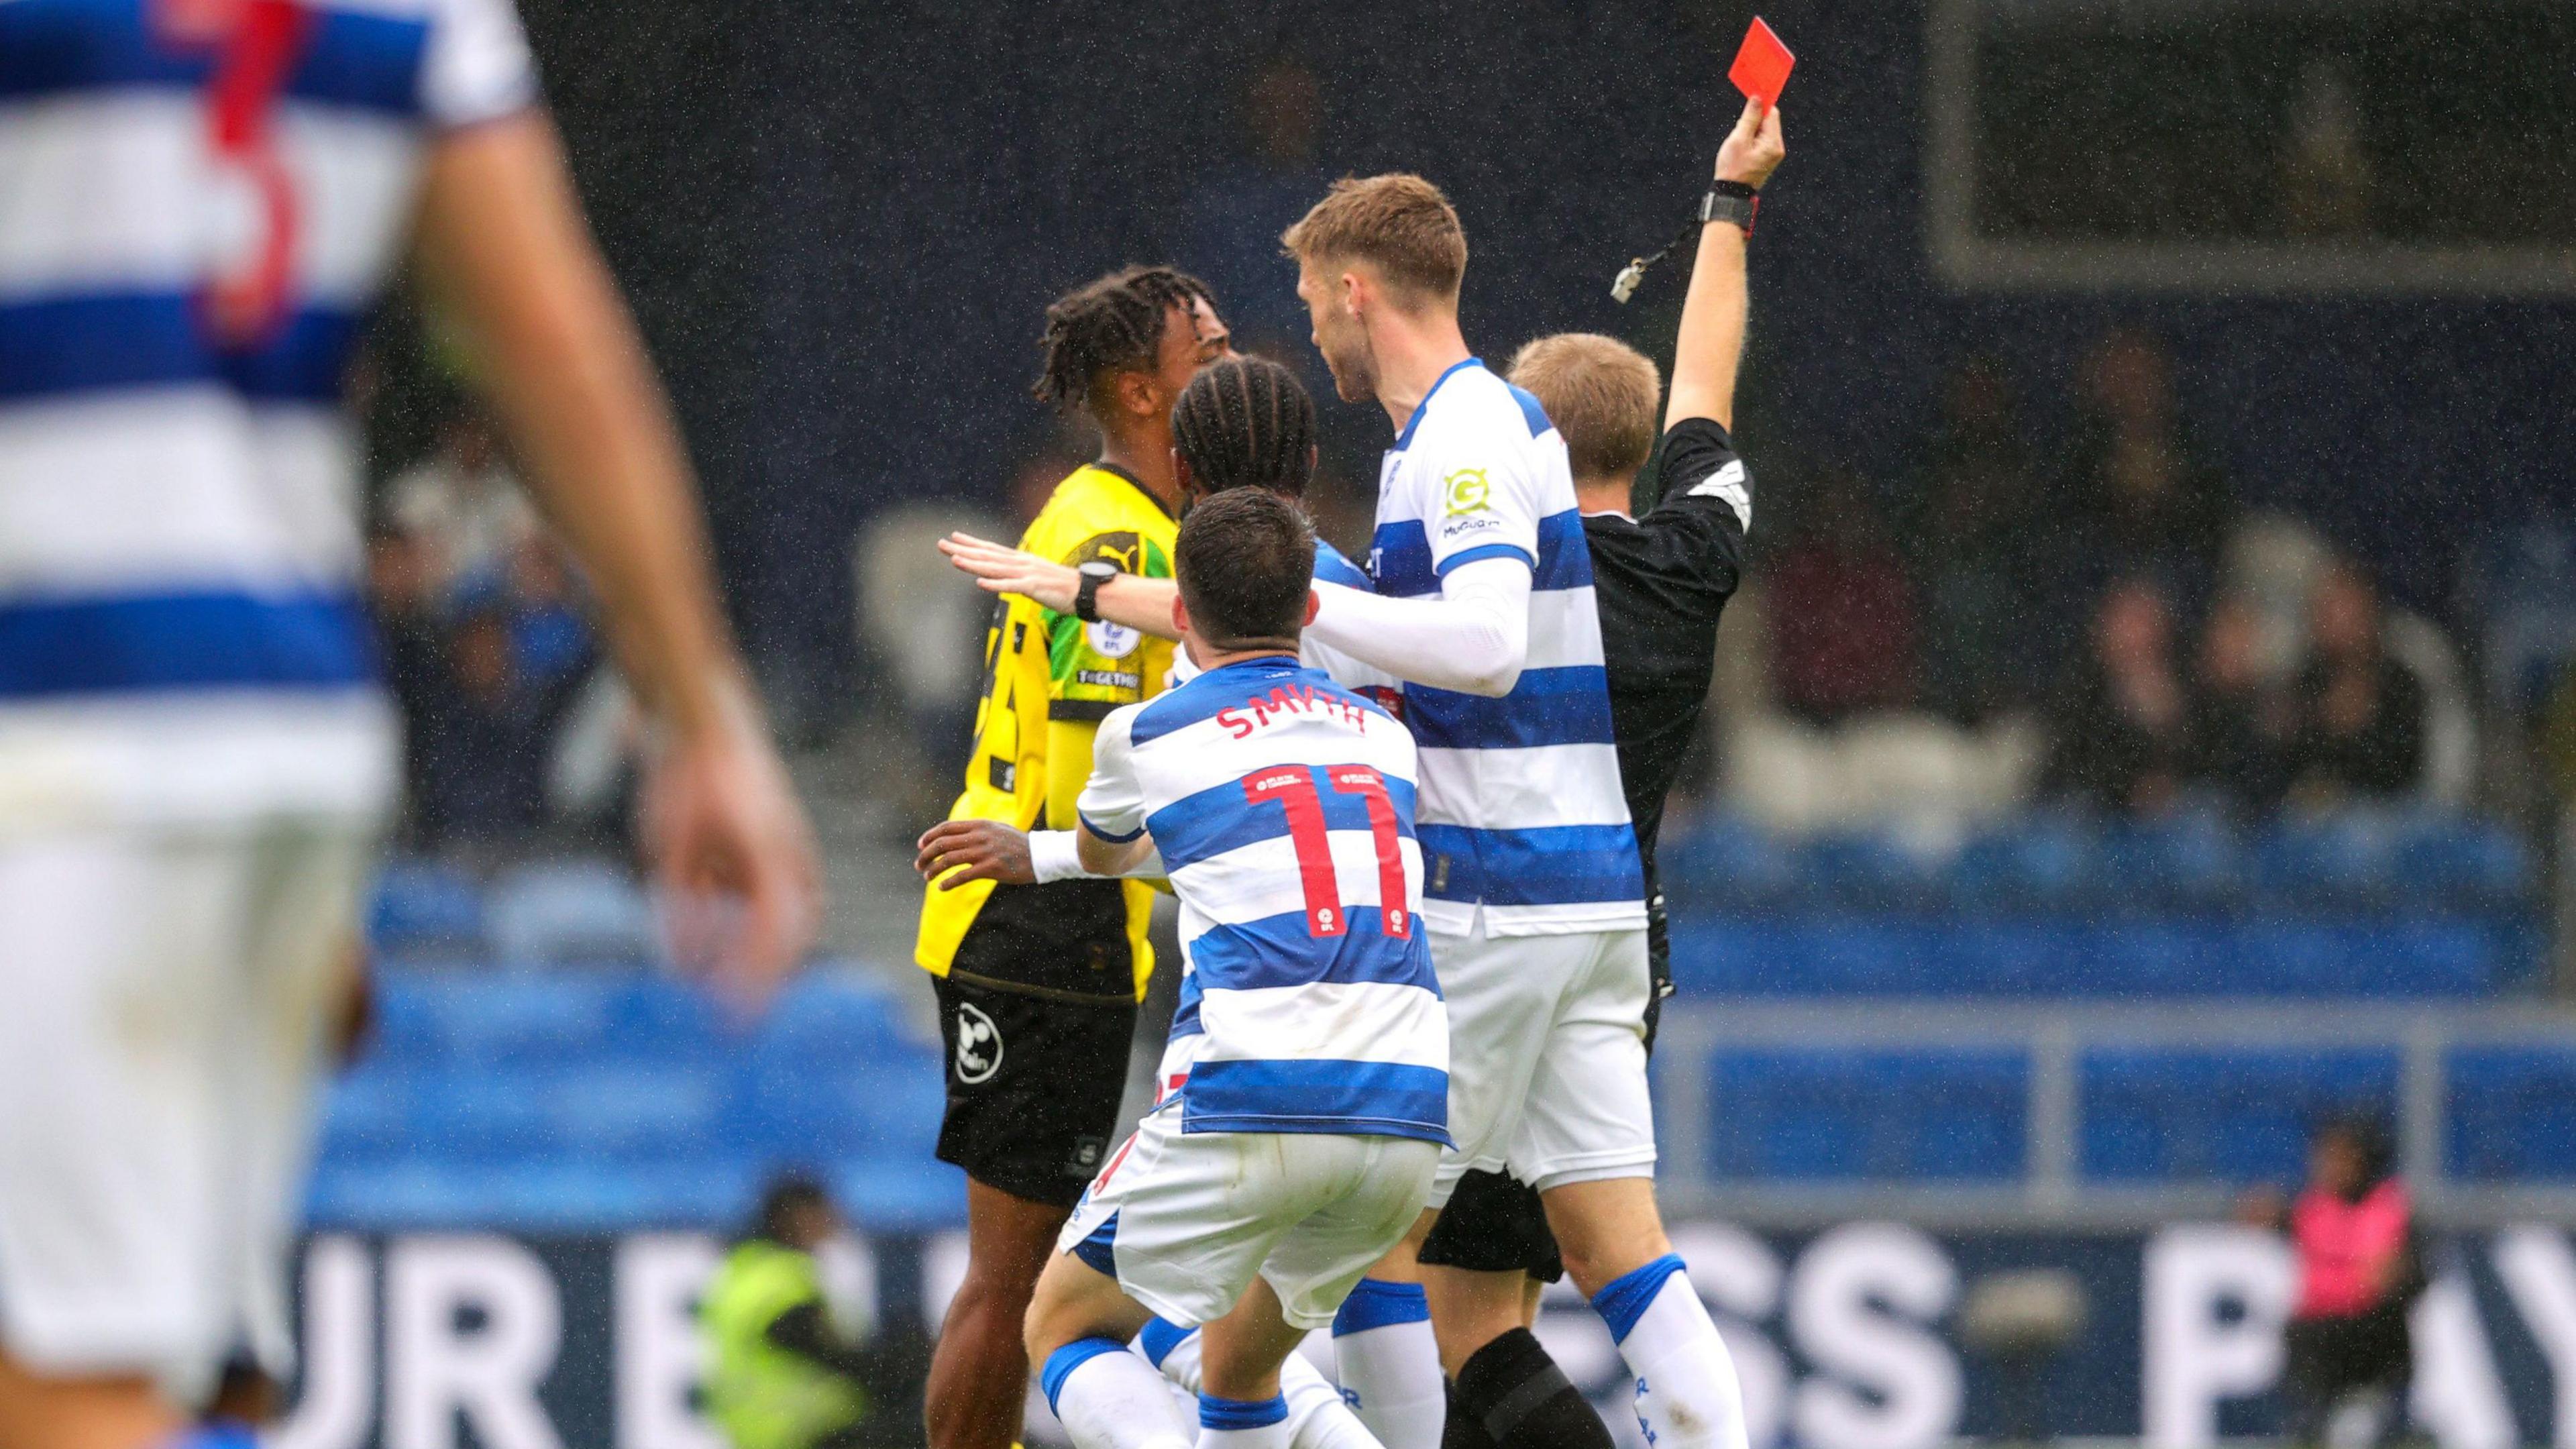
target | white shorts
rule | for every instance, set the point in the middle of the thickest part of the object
(1185, 1220)
(163, 998)
(1547, 1057)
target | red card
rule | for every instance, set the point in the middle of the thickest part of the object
(1762, 67)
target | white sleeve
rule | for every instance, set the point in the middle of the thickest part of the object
(1473, 638)
(1053, 857)
(1113, 802)
(478, 67)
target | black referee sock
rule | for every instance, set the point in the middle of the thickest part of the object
(1463, 1430)
(1521, 1400)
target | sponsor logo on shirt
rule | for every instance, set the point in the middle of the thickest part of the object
(1467, 490)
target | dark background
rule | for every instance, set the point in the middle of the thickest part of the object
(839, 224)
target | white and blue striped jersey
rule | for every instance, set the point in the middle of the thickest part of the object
(1522, 814)
(1282, 806)
(200, 200)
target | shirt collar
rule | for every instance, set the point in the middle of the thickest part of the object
(1415, 421)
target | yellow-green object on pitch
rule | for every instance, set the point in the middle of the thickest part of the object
(763, 1396)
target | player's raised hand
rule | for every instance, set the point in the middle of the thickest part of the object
(998, 568)
(985, 849)
(734, 857)
(1754, 149)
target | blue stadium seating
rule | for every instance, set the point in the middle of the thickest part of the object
(2512, 1114)
(2358, 905)
(2165, 1114)
(1924, 1115)
(598, 1101)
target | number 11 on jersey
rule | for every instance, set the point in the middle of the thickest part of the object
(1294, 788)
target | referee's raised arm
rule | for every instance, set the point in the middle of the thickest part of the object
(1712, 333)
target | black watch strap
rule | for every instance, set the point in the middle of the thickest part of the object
(1731, 201)
(1086, 595)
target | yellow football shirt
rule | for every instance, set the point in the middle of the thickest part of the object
(1049, 681)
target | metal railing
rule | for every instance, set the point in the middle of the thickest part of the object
(2052, 1192)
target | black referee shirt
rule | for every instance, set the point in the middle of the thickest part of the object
(1660, 583)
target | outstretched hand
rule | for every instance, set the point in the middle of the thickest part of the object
(1001, 569)
(955, 852)
(1754, 149)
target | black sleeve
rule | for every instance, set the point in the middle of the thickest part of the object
(805, 1332)
(1704, 507)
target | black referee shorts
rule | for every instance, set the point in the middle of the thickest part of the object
(1494, 1224)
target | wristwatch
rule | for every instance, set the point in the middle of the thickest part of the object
(1086, 595)
(1730, 201)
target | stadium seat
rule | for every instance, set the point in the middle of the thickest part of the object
(1946, 1115)
(1726, 863)
(2171, 1114)
(2511, 1114)
(2037, 863)
(572, 913)
(423, 909)
(2464, 864)
(2344, 859)
(2188, 860)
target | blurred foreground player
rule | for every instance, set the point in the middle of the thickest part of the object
(1038, 984)
(1305, 1088)
(1661, 582)
(205, 197)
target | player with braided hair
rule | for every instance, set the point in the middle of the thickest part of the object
(1246, 422)
(1038, 984)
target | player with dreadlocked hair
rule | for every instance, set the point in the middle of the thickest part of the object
(1243, 422)
(1038, 984)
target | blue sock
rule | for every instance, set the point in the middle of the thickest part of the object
(216, 1436)
(1687, 1394)
(1390, 1364)
(1108, 1398)
(1242, 1423)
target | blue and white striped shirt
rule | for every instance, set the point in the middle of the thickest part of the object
(1282, 806)
(1522, 814)
(199, 204)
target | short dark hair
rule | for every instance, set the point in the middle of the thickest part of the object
(1246, 422)
(784, 1196)
(1113, 324)
(1246, 561)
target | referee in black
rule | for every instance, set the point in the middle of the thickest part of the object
(1660, 582)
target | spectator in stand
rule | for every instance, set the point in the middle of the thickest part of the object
(1973, 551)
(2360, 731)
(2557, 734)
(2361, 1266)
(462, 502)
(2241, 720)
(402, 595)
(1843, 631)
(2138, 496)
(2122, 734)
